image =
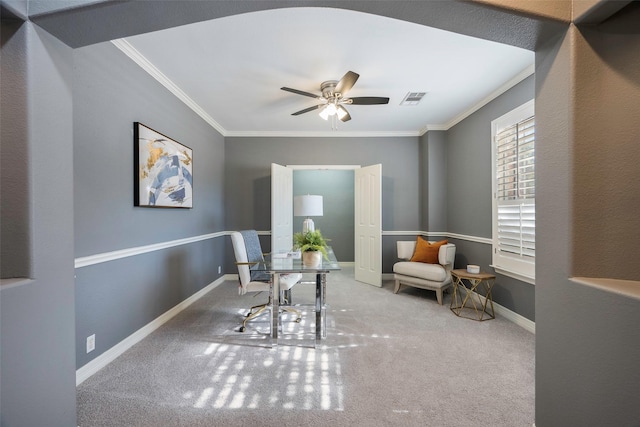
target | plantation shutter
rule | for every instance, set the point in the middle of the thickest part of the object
(515, 190)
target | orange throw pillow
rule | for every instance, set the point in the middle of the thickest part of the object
(427, 252)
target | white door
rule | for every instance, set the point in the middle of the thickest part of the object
(368, 225)
(281, 208)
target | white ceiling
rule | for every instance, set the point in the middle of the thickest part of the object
(230, 70)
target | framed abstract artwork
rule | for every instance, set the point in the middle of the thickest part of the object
(163, 170)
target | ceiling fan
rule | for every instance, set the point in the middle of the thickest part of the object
(333, 99)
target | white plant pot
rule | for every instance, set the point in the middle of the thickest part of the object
(311, 258)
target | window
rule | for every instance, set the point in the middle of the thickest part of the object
(514, 193)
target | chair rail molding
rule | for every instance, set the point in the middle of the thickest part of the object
(477, 239)
(124, 253)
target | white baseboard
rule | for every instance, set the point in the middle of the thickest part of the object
(512, 316)
(519, 320)
(110, 355)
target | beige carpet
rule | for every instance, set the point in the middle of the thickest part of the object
(388, 360)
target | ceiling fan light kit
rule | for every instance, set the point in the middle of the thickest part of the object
(333, 99)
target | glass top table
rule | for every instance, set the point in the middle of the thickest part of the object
(277, 264)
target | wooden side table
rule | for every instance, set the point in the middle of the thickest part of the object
(469, 298)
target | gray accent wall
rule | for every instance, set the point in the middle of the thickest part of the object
(337, 222)
(434, 181)
(16, 227)
(248, 177)
(469, 163)
(469, 194)
(116, 298)
(248, 173)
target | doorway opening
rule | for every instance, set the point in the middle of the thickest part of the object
(336, 186)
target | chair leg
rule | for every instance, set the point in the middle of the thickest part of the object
(293, 310)
(286, 295)
(252, 315)
(439, 296)
(285, 305)
(397, 288)
(254, 307)
(259, 309)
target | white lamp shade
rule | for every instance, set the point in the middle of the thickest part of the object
(307, 205)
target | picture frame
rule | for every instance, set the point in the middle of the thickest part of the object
(163, 170)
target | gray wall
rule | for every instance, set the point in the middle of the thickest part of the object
(37, 347)
(434, 190)
(469, 194)
(337, 222)
(248, 177)
(469, 163)
(588, 339)
(116, 298)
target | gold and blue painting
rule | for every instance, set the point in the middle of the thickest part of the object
(163, 170)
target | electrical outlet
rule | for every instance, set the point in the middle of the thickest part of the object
(219, 269)
(91, 343)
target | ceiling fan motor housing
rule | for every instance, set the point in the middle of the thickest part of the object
(328, 89)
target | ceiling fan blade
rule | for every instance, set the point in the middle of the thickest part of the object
(346, 82)
(368, 100)
(344, 116)
(306, 110)
(300, 92)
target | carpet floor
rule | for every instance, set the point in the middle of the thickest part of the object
(388, 360)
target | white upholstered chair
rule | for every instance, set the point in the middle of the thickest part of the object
(435, 277)
(247, 250)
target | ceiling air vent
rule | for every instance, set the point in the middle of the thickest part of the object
(413, 98)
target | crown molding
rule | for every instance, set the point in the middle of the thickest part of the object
(321, 134)
(324, 167)
(427, 128)
(530, 70)
(154, 72)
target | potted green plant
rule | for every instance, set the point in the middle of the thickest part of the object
(313, 247)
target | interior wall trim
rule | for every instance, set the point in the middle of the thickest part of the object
(110, 355)
(468, 238)
(14, 282)
(330, 133)
(86, 261)
(477, 239)
(402, 233)
(124, 253)
(512, 316)
(530, 70)
(154, 72)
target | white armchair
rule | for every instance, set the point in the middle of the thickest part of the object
(435, 277)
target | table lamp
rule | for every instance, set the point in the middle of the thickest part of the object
(308, 205)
